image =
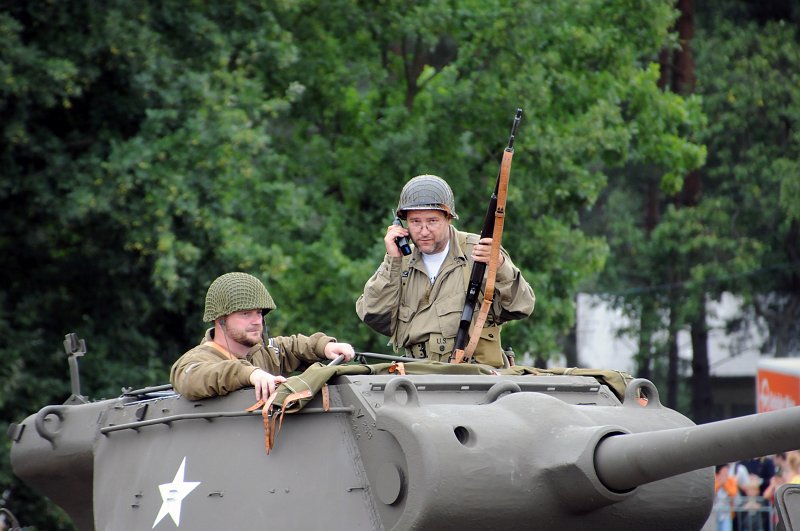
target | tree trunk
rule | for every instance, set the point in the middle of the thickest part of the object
(672, 365)
(571, 347)
(683, 79)
(683, 82)
(644, 358)
(644, 361)
(701, 375)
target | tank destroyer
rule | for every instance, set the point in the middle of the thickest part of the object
(392, 446)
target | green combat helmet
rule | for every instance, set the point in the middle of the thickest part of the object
(427, 192)
(234, 292)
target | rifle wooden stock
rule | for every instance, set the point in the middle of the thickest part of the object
(492, 226)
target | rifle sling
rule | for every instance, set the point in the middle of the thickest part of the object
(465, 355)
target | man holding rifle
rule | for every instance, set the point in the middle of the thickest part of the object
(417, 300)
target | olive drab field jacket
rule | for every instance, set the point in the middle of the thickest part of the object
(207, 370)
(422, 319)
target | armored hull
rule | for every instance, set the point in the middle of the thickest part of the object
(385, 451)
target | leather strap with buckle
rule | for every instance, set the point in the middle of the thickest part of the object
(270, 429)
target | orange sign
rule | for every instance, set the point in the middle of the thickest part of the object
(776, 390)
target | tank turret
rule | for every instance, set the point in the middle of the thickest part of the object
(379, 450)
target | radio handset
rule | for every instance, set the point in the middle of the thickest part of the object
(402, 241)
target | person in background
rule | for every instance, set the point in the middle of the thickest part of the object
(793, 467)
(752, 514)
(237, 353)
(725, 492)
(781, 476)
(763, 467)
(739, 470)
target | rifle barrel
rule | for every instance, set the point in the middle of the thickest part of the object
(479, 268)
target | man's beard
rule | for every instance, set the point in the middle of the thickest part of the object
(240, 336)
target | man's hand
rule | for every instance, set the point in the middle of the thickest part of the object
(482, 252)
(392, 232)
(334, 349)
(265, 383)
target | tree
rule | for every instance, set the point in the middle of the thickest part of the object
(749, 82)
(148, 147)
(730, 230)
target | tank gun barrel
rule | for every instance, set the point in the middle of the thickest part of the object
(625, 461)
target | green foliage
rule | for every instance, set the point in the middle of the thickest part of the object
(751, 86)
(148, 147)
(669, 255)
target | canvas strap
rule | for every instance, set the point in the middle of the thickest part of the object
(270, 428)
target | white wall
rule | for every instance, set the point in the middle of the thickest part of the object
(600, 347)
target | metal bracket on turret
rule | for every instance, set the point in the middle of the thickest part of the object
(75, 348)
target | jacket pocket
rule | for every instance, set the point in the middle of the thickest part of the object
(448, 310)
(405, 313)
(488, 350)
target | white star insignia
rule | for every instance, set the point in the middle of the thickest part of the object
(173, 494)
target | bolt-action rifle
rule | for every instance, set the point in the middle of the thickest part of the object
(492, 226)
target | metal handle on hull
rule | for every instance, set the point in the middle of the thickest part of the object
(41, 429)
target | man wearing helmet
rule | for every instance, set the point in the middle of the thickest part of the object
(236, 353)
(417, 300)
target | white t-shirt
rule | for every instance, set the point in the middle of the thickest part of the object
(433, 262)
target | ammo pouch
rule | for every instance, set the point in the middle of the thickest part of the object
(488, 350)
(437, 348)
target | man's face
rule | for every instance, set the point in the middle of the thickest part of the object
(245, 327)
(430, 230)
